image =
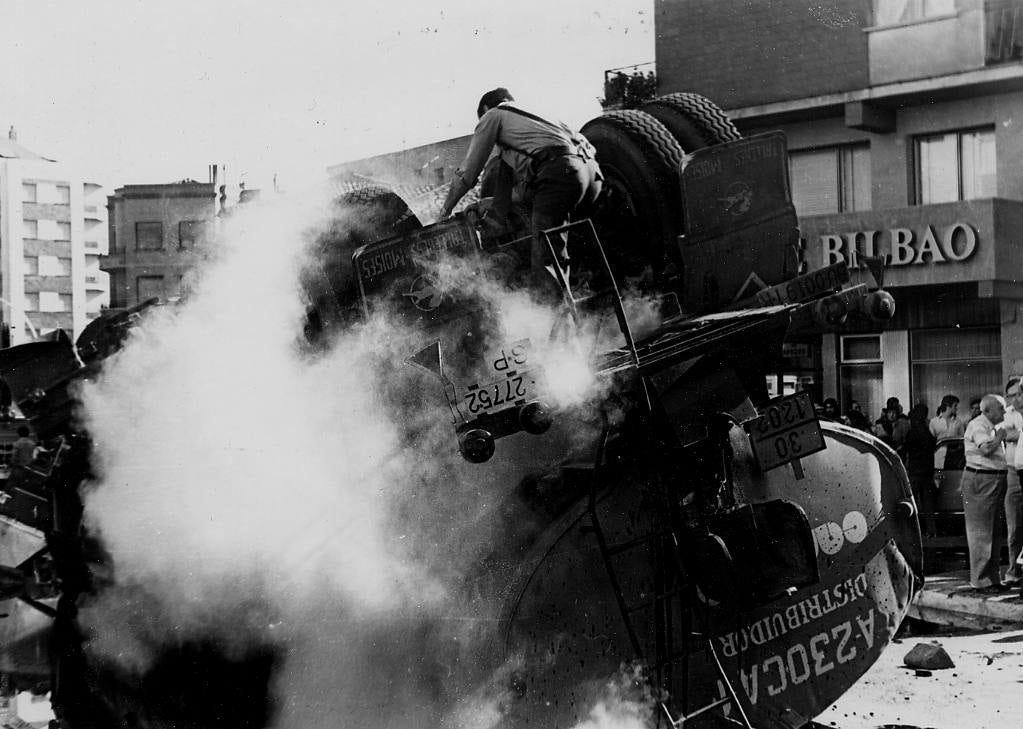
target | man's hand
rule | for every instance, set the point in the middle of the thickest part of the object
(455, 193)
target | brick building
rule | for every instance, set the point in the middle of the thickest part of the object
(903, 122)
(52, 234)
(157, 234)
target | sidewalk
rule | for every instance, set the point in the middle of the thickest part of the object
(947, 599)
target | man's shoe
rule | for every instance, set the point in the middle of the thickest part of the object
(996, 589)
(1013, 583)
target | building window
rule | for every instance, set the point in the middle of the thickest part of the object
(149, 236)
(30, 229)
(53, 266)
(191, 233)
(148, 287)
(51, 301)
(955, 166)
(895, 12)
(28, 192)
(861, 373)
(831, 180)
(961, 362)
(52, 193)
(53, 230)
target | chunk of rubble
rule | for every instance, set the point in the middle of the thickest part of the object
(928, 656)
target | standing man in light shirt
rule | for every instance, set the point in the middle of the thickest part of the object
(1013, 493)
(983, 488)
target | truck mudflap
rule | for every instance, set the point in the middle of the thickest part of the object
(603, 591)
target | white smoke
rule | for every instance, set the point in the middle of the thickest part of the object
(566, 344)
(250, 491)
(223, 452)
(624, 702)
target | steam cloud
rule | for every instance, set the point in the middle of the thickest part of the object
(253, 492)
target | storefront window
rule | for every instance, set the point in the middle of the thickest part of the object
(955, 166)
(800, 371)
(831, 180)
(861, 373)
(961, 362)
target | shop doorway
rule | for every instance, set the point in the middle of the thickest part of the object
(860, 374)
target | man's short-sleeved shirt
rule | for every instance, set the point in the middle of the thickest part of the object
(1017, 460)
(1014, 419)
(518, 136)
(978, 432)
(943, 429)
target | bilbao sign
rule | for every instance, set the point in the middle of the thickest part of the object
(905, 246)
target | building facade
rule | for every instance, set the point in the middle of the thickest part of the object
(52, 234)
(903, 123)
(157, 235)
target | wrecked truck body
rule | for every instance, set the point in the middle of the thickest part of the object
(740, 562)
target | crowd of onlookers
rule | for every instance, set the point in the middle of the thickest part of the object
(982, 444)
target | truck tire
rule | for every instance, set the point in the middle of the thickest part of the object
(695, 121)
(358, 217)
(637, 216)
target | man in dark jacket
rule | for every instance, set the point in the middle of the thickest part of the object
(919, 450)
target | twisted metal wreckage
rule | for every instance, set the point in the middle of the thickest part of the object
(752, 560)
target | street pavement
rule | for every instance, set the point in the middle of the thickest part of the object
(983, 634)
(982, 691)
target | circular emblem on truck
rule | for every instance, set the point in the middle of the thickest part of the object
(424, 294)
(738, 198)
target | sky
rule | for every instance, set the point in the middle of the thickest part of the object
(133, 92)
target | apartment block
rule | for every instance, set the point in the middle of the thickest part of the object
(52, 233)
(157, 233)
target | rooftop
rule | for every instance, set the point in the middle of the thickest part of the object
(10, 149)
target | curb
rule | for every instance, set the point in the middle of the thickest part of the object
(945, 600)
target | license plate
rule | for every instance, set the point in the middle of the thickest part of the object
(808, 286)
(515, 390)
(787, 429)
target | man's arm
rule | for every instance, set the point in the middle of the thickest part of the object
(988, 444)
(483, 140)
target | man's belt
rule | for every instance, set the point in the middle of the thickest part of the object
(986, 471)
(547, 154)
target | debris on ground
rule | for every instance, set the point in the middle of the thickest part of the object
(928, 656)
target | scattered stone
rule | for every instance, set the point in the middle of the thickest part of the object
(928, 656)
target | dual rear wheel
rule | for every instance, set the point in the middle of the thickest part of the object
(639, 216)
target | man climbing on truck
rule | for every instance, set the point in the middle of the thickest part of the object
(553, 168)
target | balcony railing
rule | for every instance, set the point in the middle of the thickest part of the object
(1003, 30)
(629, 86)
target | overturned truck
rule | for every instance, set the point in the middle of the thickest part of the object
(748, 561)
